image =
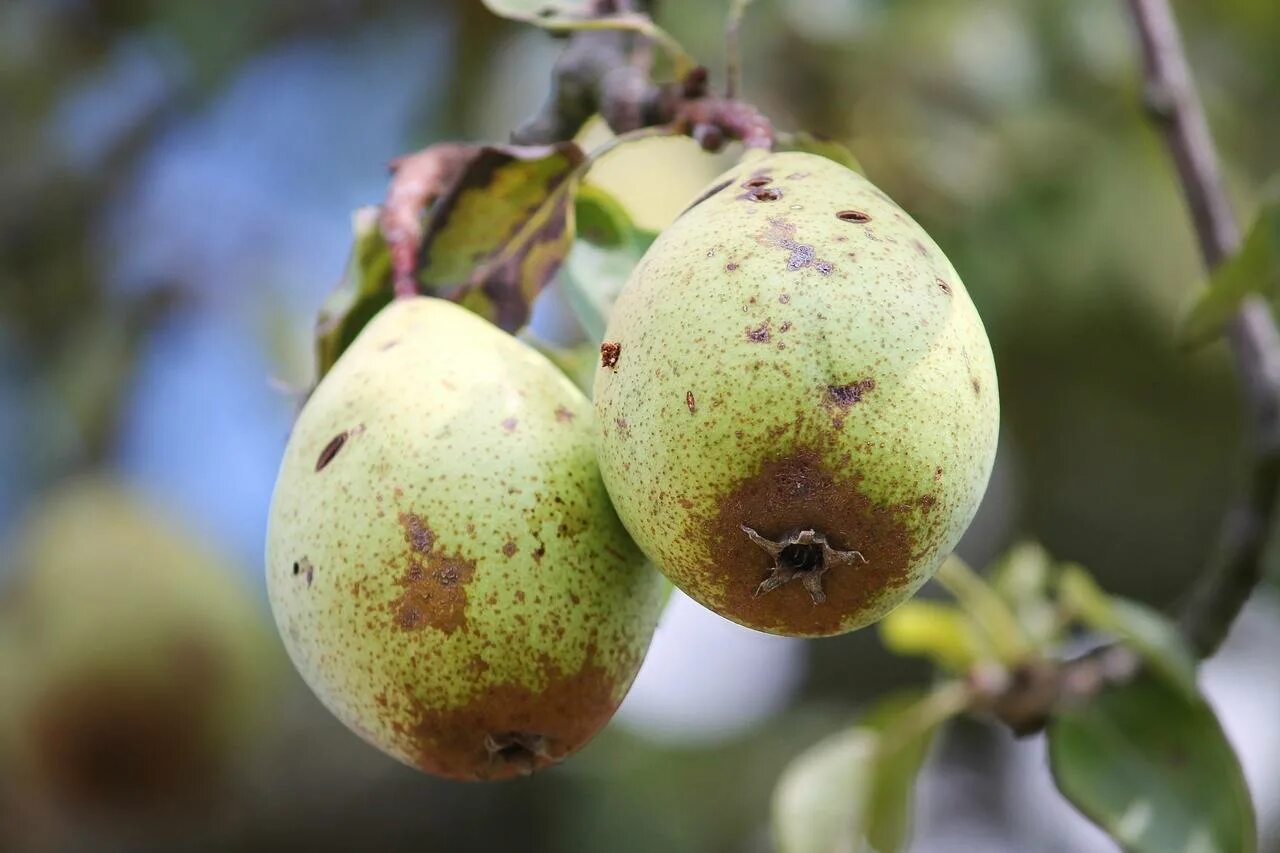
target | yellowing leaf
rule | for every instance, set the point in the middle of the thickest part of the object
(499, 235)
(932, 629)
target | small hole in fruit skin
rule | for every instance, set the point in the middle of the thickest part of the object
(296, 568)
(853, 216)
(765, 194)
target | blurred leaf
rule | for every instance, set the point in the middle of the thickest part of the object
(987, 609)
(567, 15)
(501, 232)
(941, 632)
(811, 144)
(1148, 632)
(1023, 577)
(1152, 767)
(364, 290)
(855, 788)
(1255, 269)
(600, 264)
(578, 362)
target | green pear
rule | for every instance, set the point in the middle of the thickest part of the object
(796, 401)
(132, 659)
(442, 559)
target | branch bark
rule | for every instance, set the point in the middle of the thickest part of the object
(1175, 107)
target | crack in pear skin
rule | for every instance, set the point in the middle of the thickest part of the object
(809, 571)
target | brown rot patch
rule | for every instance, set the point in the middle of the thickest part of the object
(509, 549)
(856, 216)
(510, 730)
(434, 583)
(610, 351)
(690, 402)
(786, 497)
(331, 449)
(624, 427)
(943, 286)
(760, 334)
(927, 503)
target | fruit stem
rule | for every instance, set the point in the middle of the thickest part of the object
(733, 48)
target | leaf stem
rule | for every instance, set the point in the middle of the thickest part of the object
(988, 610)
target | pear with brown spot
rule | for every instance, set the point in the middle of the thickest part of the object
(443, 561)
(846, 407)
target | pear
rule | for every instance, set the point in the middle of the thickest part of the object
(796, 402)
(133, 658)
(443, 562)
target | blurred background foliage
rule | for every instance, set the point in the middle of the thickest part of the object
(177, 179)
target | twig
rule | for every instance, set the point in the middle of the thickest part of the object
(1207, 614)
(1255, 343)
(733, 48)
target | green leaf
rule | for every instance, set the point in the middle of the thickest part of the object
(500, 233)
(1145, 630)
(600, 264)
(1255, 269)
(364, 290)
(1152, 767)
(855, 788)
(988, 610)
(823, 147)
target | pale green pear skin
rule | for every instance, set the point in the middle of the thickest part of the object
(794, 353)
(134, 660)
(443, 562)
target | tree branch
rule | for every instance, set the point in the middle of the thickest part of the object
(1255, 343)
(1026, 702)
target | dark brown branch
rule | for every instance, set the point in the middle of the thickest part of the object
(1171, 97)
(608, 72)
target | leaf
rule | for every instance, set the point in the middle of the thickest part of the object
(988, 610)
(1023, 577)
(1146, 631)
(364, 290)
(855, 788)
(823, 147)
(1255, 269)
(501, 232)
(600, 264)
(1152, 767)
(548, 13)
(941, 632)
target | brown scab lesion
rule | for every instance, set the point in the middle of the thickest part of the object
(509, 424)
(690, 402)
(563, 415)
(610, 351)
(943, 286)
(760, 334)
(434, 583)
(847, 395)
(331, 450)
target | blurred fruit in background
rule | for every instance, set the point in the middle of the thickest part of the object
(136, 665)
